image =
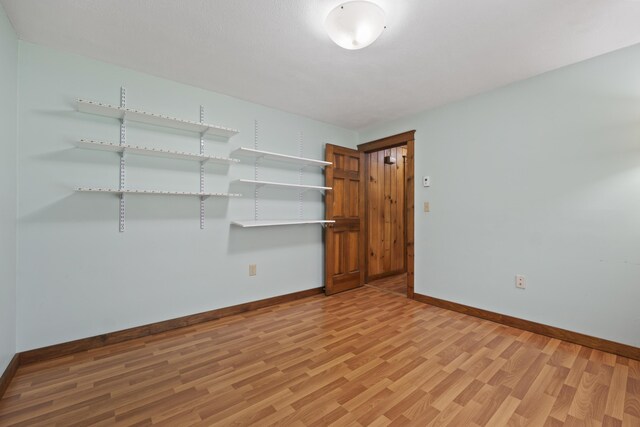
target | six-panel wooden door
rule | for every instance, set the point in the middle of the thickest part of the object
(344, 240)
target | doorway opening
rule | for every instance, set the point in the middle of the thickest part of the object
(389, 179)
(396, 283)
(362, 246)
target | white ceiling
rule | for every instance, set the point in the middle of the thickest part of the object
(276, 53)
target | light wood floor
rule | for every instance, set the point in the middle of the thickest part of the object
(365, 357)
(396, 284)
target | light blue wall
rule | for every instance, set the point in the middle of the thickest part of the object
(78, 276)
(540, 178)
(8, 139)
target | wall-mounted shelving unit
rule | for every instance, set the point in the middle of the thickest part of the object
(302, 187)
(124, 115)
(156, 192)
(303, 162)
(155, 152)
(285, 158)
(266, 223)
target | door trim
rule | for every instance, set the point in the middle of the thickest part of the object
(408, 139)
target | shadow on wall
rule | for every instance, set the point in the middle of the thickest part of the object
(107, 129)
(74, 155)
(275, 193)
(73, 114)
(104, 207)
(242, 240)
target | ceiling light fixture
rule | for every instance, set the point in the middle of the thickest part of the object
(355, 24)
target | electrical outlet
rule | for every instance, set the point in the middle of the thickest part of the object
(520, 282)
(426, 206)
(252, 269)
(426, 181)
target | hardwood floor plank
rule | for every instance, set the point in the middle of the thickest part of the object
(632, 398)
(504, 412)
(366, 357)
(396, 283)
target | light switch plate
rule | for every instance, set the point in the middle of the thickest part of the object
(426, 206)
(426, 181)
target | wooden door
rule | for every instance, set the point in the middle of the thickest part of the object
(344, 240)
(407, 140)
(385, 213)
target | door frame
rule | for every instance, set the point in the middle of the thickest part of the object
(402, 139)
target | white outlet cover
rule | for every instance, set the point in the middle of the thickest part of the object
(426, 181)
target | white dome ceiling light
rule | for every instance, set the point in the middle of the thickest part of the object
(355, 24)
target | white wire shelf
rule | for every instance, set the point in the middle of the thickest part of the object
(250, 152)
(113, 111)
(147, 151)
(284, 185)
(271, 223)
(155, 192)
